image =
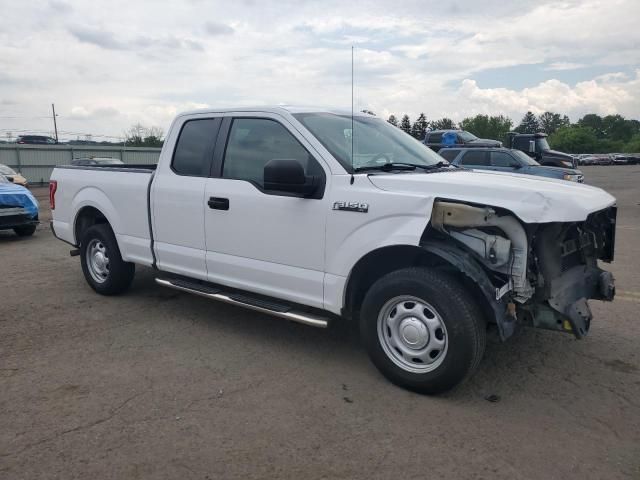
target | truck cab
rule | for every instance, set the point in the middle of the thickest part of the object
(537, 147)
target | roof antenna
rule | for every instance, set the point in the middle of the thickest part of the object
(353, 132)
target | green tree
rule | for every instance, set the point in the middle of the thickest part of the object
(393, 120)
(405, 124)
(419, 127)
(528, 124)
(594, 122)
(443, 124)
(575, 139)
(140, 136)
(633, 145)
(550, 122)
(616, 127)
(484, 126)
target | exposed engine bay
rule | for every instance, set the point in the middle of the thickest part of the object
(543, 274)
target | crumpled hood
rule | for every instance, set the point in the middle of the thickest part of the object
(17, 196)
(532, 199)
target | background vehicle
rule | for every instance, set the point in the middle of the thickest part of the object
(437, 139)
(536, 146)
(18, 209)
(36, 140)
(623, 159)
(507, 160)
(11, 175)
(268, 208)
(96, 161)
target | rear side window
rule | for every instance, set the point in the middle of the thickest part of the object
(194, 148)
(435, 138)
(477, 158)
(522, 143)
(449, 154)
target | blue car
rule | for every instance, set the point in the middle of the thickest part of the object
(506, 160)
(18, 209)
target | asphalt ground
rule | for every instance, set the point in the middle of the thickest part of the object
(158, 384)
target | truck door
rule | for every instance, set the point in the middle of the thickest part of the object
(177, 197)
(266, 242)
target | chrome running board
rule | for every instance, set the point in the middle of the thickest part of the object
(243, 300)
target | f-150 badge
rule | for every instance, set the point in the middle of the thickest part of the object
(351, 206)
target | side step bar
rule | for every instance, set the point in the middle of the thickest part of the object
(246, 301)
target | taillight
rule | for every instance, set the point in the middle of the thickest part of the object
(53, 186)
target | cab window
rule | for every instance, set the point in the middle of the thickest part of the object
(254, 142)
(478, 158)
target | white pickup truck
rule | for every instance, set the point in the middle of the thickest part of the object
(316, 216)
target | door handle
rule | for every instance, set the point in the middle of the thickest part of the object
(218, 203)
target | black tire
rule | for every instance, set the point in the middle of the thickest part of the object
(25, 230)
(119, 274)
(465, 328)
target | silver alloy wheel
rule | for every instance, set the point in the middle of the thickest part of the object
(412, 334)
(97, 260)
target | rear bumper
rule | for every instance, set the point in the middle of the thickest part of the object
(16, 217)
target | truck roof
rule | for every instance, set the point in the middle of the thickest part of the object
(279, 109)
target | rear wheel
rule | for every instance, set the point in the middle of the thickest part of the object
(422, 330)
(25, 230)
(102, 264)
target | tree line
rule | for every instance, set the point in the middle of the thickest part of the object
(591, 134)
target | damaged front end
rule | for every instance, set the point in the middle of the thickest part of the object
(539, 274)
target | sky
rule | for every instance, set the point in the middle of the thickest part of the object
(110, 64)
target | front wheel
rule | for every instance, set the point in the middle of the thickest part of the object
(422, 330)
(102, 264)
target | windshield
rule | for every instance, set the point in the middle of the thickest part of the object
(375, 143)
(524, 158)
(4, 170)
(542, 145)
(466, 136)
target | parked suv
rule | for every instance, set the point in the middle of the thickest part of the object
(36, 140)
(507, 160)
(438, 139)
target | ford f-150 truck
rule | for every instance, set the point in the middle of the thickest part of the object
(317, 216)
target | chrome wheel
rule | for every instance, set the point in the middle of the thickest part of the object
(97, 260)
(412, 334)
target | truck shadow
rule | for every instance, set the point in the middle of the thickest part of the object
(532, 360)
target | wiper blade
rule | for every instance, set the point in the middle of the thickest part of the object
(387, 167)
(435, 165)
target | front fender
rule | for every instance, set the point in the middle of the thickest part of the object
(465, 263)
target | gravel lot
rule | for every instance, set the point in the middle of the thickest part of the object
(158, 384)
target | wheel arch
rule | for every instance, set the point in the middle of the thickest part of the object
(86, 217)
(431, 254)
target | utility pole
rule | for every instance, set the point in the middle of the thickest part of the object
(55, 125)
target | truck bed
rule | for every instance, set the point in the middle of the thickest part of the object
(120, 192)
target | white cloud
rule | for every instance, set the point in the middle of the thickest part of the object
(110, 63)
(608, 94)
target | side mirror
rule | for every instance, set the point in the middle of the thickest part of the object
(532, 146)
(288, 176)
(516, 166)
